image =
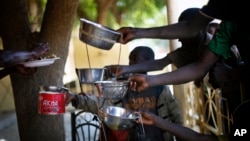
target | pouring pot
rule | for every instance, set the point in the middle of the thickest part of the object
(97, 35)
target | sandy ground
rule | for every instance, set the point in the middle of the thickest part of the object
(9, 129)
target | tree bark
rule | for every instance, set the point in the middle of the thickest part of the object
(15, 33)
(102, 9)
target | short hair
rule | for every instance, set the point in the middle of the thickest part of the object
(188, 14)
(146, 52)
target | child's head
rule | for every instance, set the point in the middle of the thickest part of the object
(141, 54)
(188, 14)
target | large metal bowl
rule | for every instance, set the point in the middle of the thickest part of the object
(97, 35)
(90, 75)
(117, 118)
(113, 89)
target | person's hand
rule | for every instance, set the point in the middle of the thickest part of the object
(127, 34)
(19, 68)
(69, 97)
(114, 70)
(39, 49)
(138, 82)
(146, 118)
(99, 89)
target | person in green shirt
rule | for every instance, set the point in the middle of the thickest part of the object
(228, 34)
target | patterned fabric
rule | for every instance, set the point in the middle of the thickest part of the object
(162, 103)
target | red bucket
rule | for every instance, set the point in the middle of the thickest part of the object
(51, 101)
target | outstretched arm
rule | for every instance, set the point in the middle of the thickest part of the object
(10, 58)
(140, 67)
(185, 29)
(177, 130)
(180, 76)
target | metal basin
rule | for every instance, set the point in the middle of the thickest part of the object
(113, 89)
(117, 118)
(90, 75)
(97, 35)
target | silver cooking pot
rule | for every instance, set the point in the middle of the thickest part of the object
(118, 118)
(97, 35)
(90, 75)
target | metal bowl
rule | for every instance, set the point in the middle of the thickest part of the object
(90, 75)
(113, 89)
(97, 35)
(117, 118)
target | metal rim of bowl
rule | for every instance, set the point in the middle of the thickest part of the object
(100, 26)
(113, 83)
(79, 74)
(126, 110)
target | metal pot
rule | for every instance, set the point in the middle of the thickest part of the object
(97, 35)
(117, 118)
(90, 75)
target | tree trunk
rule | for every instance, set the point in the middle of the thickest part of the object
(102, 10)
(56, 30)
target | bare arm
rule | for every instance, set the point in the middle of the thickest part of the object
(182, 132)
(86, 102)
(180, 76)
(148, 66)
(140, 67)
(187, 73)
(173, 31)
(11, 58)
(177, 130)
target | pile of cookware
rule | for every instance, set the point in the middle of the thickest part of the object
(96, 35)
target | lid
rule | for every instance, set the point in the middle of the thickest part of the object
(54, 89)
